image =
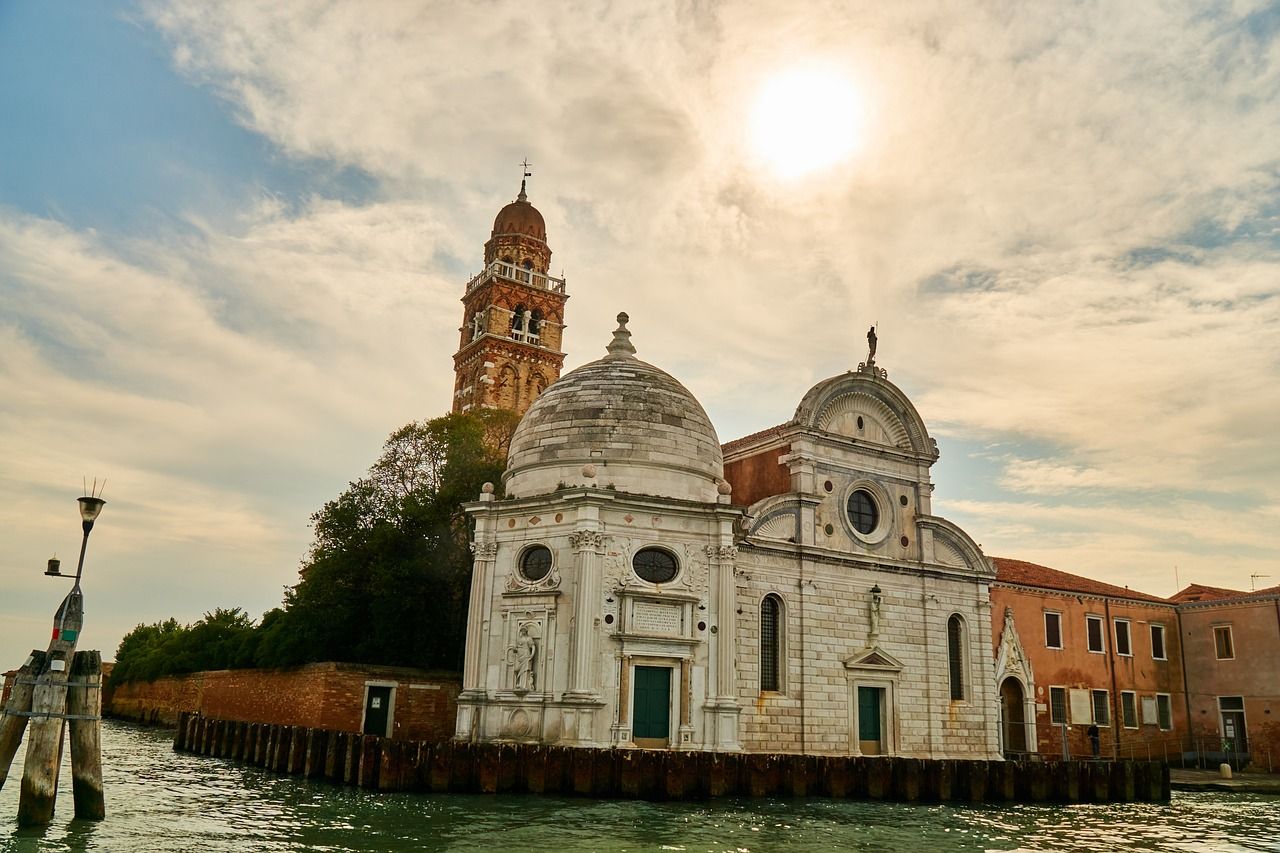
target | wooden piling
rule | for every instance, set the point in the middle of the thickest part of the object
(44, 745)
(84, 718)
(14, 721)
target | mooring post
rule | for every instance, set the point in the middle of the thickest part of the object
(17, 711)
(48, 716)
(84, 717)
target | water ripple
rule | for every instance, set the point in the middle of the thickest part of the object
(159, 801)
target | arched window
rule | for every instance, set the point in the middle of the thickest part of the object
(535, 323)
(955, 654)
(771, 644)
(517, 322)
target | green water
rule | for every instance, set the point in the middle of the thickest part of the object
(159, 801)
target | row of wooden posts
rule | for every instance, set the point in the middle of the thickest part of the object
(381, 764)
(46, 699)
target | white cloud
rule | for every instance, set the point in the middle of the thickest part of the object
(1062, 219)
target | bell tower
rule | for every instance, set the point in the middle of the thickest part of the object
(513, 316)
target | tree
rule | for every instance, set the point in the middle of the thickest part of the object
(388, 574)
(387, 577)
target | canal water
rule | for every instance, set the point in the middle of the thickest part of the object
(159, 801)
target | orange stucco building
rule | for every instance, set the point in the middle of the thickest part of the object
(1085, 653)
(1231, 646)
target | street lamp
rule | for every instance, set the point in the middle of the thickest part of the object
(90, 508)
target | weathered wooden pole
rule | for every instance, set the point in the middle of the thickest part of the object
(16, 711)
(48, 716)
(84, 718)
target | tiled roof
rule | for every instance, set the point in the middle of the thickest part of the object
(1029, 574)
(739, 443)
(1199, 592)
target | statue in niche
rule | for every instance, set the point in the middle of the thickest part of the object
(521, 656)
(876, 600)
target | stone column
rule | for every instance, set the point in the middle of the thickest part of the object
(722, 705)
(474, 663)
(588, 546)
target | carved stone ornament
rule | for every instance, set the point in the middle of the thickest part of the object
(522, 656)
(586, 540)
(517, 582)
(484, 550)
(726, 553)
(873, 370)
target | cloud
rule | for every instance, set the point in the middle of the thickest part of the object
(1064, 223)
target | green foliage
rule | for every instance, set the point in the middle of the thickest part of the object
(223, 639)
(387, 577)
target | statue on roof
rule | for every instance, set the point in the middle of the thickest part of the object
(871, 345)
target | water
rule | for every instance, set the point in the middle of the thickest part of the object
(159, 801)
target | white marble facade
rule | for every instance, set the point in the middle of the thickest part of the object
(619, 593)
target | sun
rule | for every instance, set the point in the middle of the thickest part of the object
(805, 120)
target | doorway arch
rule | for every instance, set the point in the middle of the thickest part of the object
(1013, 720)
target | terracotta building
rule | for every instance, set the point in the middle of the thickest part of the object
(509, 348)
(1074, 653)
(1231, 648)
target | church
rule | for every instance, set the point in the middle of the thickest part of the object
(639, 584)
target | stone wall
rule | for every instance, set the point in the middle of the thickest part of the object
(321, 695)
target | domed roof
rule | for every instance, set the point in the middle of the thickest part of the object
(520, 217)
(618, 422)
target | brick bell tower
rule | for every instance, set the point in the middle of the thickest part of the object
(513, 317)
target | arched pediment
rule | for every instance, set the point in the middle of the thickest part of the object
(774, 518)
(888, 417)
(953, 547)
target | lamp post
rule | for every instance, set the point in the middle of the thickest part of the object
(65, 693)
(89, 509)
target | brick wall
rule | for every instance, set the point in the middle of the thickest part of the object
(320, 695)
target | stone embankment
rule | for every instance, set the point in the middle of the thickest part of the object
(401, 765)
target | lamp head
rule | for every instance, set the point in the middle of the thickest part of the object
(53, 570)
(89, 508)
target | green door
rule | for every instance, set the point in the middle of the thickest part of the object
(652, 703)
(869, 732)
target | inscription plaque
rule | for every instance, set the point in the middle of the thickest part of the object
(649, 617)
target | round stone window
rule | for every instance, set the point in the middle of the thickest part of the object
(535, 562)
(655, 565)
(864, 514)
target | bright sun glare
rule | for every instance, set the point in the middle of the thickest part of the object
(806, 120)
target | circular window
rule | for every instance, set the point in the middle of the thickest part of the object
(864, 515)
(535, 562)
(655, 565)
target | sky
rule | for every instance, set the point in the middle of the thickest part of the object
(233, 239)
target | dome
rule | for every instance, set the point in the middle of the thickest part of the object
(618, 422)
(520, 217)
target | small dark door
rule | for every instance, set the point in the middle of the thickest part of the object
(1012, 716)
(377, 709)
(870, 732)
(652, 723)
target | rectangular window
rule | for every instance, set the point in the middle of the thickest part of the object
(1123, 647)
(1149, 714)
(1101, 708)
(1081, 705)
(1058, 705)
(1052, 630)
(1157, 643)
(1129, 708)
(1093, 630)
(1164, 710)
(1222, 642)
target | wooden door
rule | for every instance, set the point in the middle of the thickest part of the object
(651, 726)
(870, 727)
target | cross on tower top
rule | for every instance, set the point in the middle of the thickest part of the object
(524, 164)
